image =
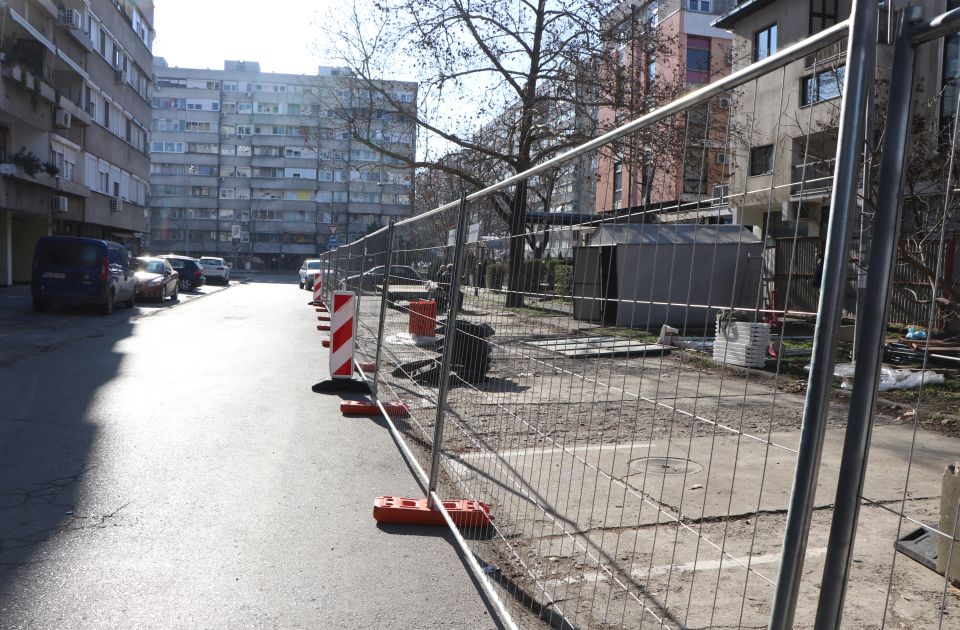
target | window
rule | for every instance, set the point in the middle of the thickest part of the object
(202, 147)
(617, 183)
(765, 42)
(823, 14)
(822, 87)
(761, 160)
(158, 146)
(701, 6)
(698, 60)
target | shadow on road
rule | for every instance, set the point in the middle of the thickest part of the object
(46, 437)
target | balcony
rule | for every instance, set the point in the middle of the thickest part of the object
(813, 179)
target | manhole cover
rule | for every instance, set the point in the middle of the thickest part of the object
(664, 466)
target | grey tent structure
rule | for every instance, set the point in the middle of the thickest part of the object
(682, 275)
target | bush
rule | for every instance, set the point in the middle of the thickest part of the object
(537, 276)
(496, 275)
(563, 279)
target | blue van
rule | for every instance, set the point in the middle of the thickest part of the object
(76, 270)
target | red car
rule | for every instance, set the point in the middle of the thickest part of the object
(156, 279)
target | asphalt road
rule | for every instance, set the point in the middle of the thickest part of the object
(171, 468)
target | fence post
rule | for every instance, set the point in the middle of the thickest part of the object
(383, 308)
(869, 353)
(336, 271)
(449, 337)
(859, 79)
(363, 266)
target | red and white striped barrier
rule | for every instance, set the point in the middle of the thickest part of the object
(317, 290)
(342, 326)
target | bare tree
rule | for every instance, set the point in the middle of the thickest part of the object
(530, 68)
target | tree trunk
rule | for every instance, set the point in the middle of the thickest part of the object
(518, 231)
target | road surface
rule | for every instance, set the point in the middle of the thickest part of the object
(171, 468)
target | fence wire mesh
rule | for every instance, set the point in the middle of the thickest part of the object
(626, 390)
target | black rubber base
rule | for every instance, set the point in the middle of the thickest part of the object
(338, 385)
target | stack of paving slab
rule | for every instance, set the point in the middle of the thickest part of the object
(741, 343)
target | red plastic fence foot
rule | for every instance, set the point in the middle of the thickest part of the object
(368, 408)
(323, 327)
(324, 318)
(404, 511)
(325, 343)
(368, 367)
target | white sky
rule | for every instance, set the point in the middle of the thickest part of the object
(283, 35)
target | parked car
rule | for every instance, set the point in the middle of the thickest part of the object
(75, 270)
(191, 273)
(215, 269)
(309, 270)
(156, 278)
(399, 275)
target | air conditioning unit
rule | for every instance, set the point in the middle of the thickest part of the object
(63, 119)
(723, 158)
(58, 204)
(724, 102)
(248, 93)
(118, 75)
(71, 18)
(116, 204)
(7, 169)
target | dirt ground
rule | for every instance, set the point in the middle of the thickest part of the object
(634, 491)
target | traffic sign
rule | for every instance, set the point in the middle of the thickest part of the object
(332, 242)
(333, 229)
(235, 231)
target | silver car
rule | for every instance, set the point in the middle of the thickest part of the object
(215, 269)
(309, 270)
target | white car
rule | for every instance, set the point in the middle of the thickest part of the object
(215, 269)
(309, 270)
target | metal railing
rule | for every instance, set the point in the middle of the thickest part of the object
(634, 414)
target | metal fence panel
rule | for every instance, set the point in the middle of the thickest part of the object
(630, 403)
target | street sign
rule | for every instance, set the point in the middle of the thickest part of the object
(452, 237)
(333, 229)
(332, 242)
(473, 233)
(235, 231)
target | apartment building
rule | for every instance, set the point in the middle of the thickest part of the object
(74, 120)
(268, 168)
(663, 50)
(785, 162)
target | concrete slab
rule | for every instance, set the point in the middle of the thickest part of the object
(643, 483)
(595, 347)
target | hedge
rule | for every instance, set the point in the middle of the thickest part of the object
(538, 276)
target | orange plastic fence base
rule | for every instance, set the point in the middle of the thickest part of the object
(322, 327)
(368, 408)
(323, 318)
(368, 367)
(403, 511)
(325, 343)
